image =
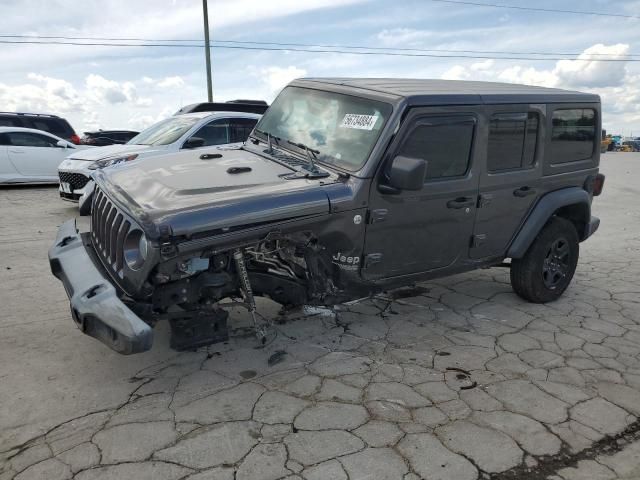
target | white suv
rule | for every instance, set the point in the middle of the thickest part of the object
(187, 131)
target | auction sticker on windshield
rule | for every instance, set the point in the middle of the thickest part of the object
(360, 122)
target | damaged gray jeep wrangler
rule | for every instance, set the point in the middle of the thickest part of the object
(346, 187)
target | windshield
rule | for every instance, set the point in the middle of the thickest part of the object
(164, 132)
(344, 129)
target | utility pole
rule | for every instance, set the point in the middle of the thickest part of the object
(207, 50)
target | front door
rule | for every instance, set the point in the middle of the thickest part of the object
(414, 232)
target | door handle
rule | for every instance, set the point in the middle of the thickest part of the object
(461, 202)
(16, 151)
(524, 192)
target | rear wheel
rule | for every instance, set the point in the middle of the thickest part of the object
(547, 268)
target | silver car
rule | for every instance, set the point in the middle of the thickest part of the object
(187, 131)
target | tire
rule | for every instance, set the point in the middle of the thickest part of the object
(545, 271)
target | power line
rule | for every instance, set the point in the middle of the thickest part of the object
(310, 45)
(405, 49)
(342, 52)
(537, 9)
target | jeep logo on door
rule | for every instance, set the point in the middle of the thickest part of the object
(346, 262)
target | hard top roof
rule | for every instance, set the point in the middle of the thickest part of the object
(426, 91)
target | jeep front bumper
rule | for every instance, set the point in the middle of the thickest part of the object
(95, 306)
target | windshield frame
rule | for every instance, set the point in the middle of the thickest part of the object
(177, 118)
(324, 159)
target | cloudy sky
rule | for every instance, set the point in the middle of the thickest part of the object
(132, 87)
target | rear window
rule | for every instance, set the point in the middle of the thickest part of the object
(512, 141)
(573, 135)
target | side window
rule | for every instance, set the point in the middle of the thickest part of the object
(214, 133)
(512, 141)
(445, 143)
(27, 139)
(573, 135)
(40, 125)
(4, 140)
(240, 128)
(10, 121)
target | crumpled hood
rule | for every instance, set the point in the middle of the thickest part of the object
(191, 193)
(98, 153)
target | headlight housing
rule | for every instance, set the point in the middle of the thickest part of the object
(107, 162)
(136, 249)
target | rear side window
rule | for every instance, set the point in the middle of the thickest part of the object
(28, 139)
(57, 126)
(214, 133)
(512, 141)
(445, 143)
(573, 135)
(10, 121)
(240, 128)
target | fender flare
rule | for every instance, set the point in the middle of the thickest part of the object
(541, 214)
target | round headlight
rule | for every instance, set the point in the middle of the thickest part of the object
(135, 249)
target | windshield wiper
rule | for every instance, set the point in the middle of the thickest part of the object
(310, 154)
(269, 137)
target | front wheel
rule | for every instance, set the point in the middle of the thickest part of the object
(546, 270)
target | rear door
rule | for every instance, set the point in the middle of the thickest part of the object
(414, 232)
(510, 180)
(34, 154)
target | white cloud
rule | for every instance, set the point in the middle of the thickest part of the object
(102, 91)
(590, 72)
(84, 107)
(618, 88)
(277, 77)
(140, 122)
(398, 37)
(171, 82)
(109, 91)
(46, 95)
(457, 72)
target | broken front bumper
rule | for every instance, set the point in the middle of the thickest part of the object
(95, 306)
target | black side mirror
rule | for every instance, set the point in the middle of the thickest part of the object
(194, 142)
(407, 173)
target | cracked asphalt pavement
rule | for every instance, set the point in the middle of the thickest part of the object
(456, 378)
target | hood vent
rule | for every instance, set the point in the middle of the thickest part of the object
(210, 156)
(236, 170)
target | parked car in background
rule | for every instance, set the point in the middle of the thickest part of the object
(31, 156)
(246, 106)
(102, 138)
(188, 131)
(631, 146)
(40, 121)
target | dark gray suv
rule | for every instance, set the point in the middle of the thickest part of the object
(346, 187)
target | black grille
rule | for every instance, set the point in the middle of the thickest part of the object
(75, 180)
(109, 227)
